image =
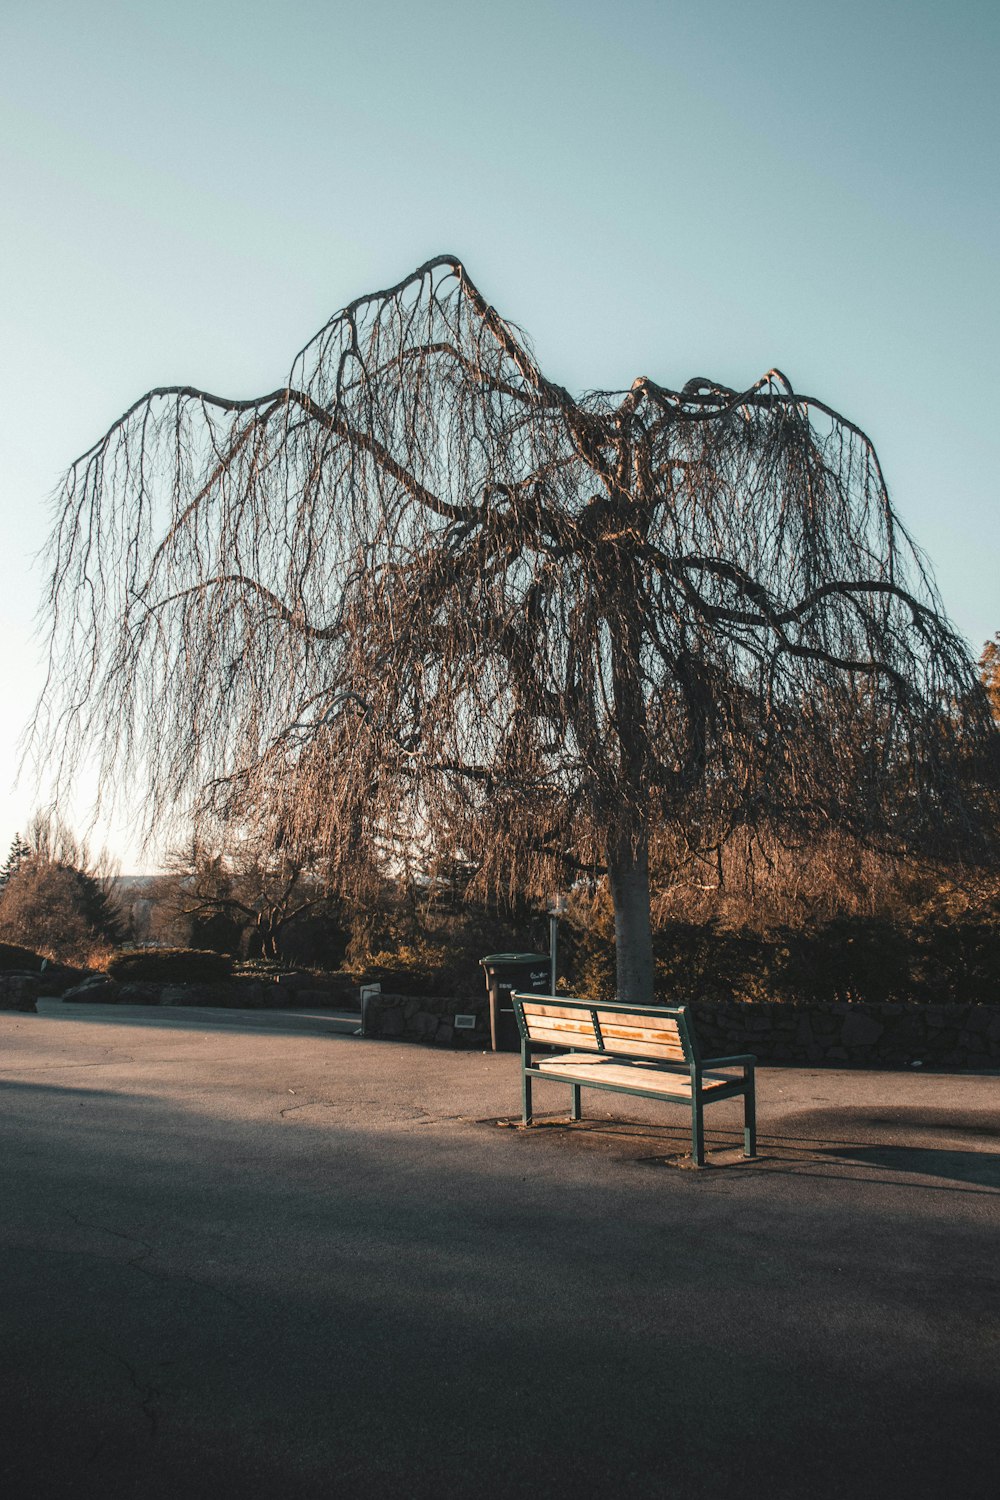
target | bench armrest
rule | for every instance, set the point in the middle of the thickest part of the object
(729, 1062)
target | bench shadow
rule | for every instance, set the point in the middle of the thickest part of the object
(669, 1146)
(818, 1124)
(916, 1141)
(978, 1167)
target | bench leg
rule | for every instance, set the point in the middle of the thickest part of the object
(525, 1099)
(697, 1130)
(575, 1112)
(750, 1117)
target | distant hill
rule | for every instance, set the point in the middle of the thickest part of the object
(132, 885)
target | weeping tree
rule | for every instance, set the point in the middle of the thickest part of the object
(422, 603)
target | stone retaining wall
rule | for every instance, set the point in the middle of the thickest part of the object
(889, 1034)
(427, 1018)
(835, 1034)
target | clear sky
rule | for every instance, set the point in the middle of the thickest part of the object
(188, 190)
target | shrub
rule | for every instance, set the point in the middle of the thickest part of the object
(170, 965)
(59, 910)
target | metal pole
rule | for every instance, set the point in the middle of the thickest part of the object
(553, 948)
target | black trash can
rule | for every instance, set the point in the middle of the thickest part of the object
(529, 972)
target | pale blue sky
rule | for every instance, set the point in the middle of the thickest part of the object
(187, 191)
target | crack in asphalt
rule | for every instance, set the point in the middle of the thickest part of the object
(131, 1239)
(119, 1234)
(147, 1394)
(207, 1286)
(162, 1276)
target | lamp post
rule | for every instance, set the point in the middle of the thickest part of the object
(556, 909)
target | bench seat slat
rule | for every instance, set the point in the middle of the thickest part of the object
(644, 1022)
(534, 1007)
(579, 1025)
(611, 1027)
(573, 1068)
(655, 1051)
(561, 1038)
(643, 1043)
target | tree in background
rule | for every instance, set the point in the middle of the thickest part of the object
(56, 900)
(247, 899)
(420, 599)
(20, 850)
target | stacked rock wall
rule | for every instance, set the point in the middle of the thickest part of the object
(890, 1034)
(835, 1034)
(427, 1018)
(886, 1034)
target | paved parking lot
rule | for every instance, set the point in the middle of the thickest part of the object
(261, 1256)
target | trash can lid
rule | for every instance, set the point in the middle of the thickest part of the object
(499, 960)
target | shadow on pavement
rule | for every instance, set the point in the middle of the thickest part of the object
(205, 1304)
(284, 1022)
(947, 1145)
(669, 1146)
(958, 1166)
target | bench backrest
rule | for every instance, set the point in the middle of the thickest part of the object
(656, 1032)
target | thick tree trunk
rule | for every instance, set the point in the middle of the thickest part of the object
(628, 877)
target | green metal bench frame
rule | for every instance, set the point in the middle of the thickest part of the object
(702, 1083)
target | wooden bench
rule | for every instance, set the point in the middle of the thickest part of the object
(648, 1050)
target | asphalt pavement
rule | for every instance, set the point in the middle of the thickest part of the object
(252, 1254)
